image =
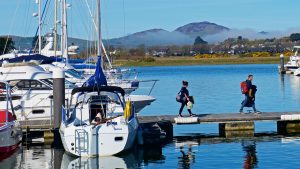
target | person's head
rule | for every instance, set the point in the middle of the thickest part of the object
(185, 83)
(250, 77)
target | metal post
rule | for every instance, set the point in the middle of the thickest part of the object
(58, 95)
(282, 71)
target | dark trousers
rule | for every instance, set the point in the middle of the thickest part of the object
(246, 102)
(184, 103)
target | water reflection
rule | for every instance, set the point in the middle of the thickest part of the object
(282, 85)
(250, 159)
(137, 158)
(189, 153)
(187, 156)
(127, 161)
(10, 160)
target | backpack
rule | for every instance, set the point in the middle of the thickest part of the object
(244, 87)
(178, 97)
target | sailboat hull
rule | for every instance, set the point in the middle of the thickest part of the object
(103, 140)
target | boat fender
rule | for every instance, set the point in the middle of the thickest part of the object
(128, 110)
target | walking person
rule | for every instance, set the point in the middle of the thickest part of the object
(184, 98)
(249, 91)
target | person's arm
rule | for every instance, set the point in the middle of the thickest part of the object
(186, 94)
(187, 97)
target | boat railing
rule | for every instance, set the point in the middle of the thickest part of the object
(154, 81)
(63, 115)
(81, 141)
(5, 125)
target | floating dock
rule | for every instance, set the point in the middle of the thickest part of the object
(220, 118)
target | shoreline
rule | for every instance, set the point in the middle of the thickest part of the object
(189, 61)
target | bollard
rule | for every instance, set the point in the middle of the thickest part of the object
(282, 70)
(58, 95)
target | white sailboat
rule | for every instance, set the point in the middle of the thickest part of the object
(100, 122)
(294, 61)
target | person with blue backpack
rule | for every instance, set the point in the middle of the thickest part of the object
(249, 91)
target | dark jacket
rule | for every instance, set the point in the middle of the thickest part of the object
(249, 85)
(184, 91)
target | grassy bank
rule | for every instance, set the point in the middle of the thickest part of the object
(177, 61)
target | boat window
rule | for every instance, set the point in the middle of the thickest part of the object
(31, 84)
(118, 138)
(68, 84)
(38, 111)
(74, 73)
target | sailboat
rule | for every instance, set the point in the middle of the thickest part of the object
(101, 122)
(10, 131)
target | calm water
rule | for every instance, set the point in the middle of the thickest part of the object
(216, 90)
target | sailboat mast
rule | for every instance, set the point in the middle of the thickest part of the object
(64, 36)
(55, 27)
(65, 54)
(40, 24)
(99, 38)
(61, 26)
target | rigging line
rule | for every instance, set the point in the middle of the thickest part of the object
(37, 30)
(91, 15)
(46, 19)
(26, 16)
(11, 25)
(85, 22)
(30, 22)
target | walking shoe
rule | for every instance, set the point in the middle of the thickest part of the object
(179, 115)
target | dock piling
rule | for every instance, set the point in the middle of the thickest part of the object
(236, 129)
(58, 95)
(288, 127)
(282, 70)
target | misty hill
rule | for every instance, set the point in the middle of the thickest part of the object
(184, 35)
(152, 37)
(201, 29)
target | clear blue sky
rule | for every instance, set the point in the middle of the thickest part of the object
(16, 15)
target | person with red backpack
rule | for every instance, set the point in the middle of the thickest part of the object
(246, 89)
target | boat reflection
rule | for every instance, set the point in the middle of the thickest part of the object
(11, 160)
(134, 159)
(69, 162)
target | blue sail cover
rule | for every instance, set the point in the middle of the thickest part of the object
(26, 58)
(98, 79)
